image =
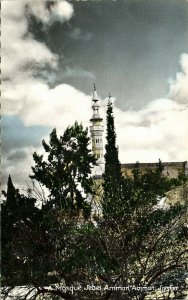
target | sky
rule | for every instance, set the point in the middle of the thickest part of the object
(53, 52)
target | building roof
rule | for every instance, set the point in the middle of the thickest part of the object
(153, 165)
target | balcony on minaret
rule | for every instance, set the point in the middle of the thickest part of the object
(96, 115)
(96, 130)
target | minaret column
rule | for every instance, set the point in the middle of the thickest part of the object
(96, 130)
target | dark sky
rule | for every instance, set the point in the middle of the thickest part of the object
(131, 48)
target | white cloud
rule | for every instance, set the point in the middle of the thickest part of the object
(78, 34)
(179, 86)
(19, 169)
(64, 9)
(78, 73)
(22, 93)
(159, 130)
(21, 53)
(61, 10)
(58, 107)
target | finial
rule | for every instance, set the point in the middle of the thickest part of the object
(95, 97)
(110, 100)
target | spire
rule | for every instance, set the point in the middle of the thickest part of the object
(109, 97)
(95, 105)
(110, 100)
(96, 130)
(95, 96)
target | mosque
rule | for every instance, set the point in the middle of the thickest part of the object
(171, 169)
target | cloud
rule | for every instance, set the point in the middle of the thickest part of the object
(78, 73)
(179, 86)
(20, 52)
(37, 104)
(17, 155)
(18, 164)
(63, 10)
(158, 130)
(77, 34)
(22, 56)
(15, 135)
(18, 144)
(31, 108)
(24, 94)
(47, 11)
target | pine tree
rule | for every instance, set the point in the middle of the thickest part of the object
(112, 176)
(66, 171)
(8, 220)
(11, 193)
(16, 209)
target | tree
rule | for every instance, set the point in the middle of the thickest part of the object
(39, 240)
(147, 244)
(133, 219)
(112, 175)
(11, 193)
(16, 209)
(66, 171)
(135, 246)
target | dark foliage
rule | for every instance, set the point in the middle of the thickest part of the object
(138, 242)
(112, 176)
(66, 171)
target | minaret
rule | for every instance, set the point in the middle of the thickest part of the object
(96, 130)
